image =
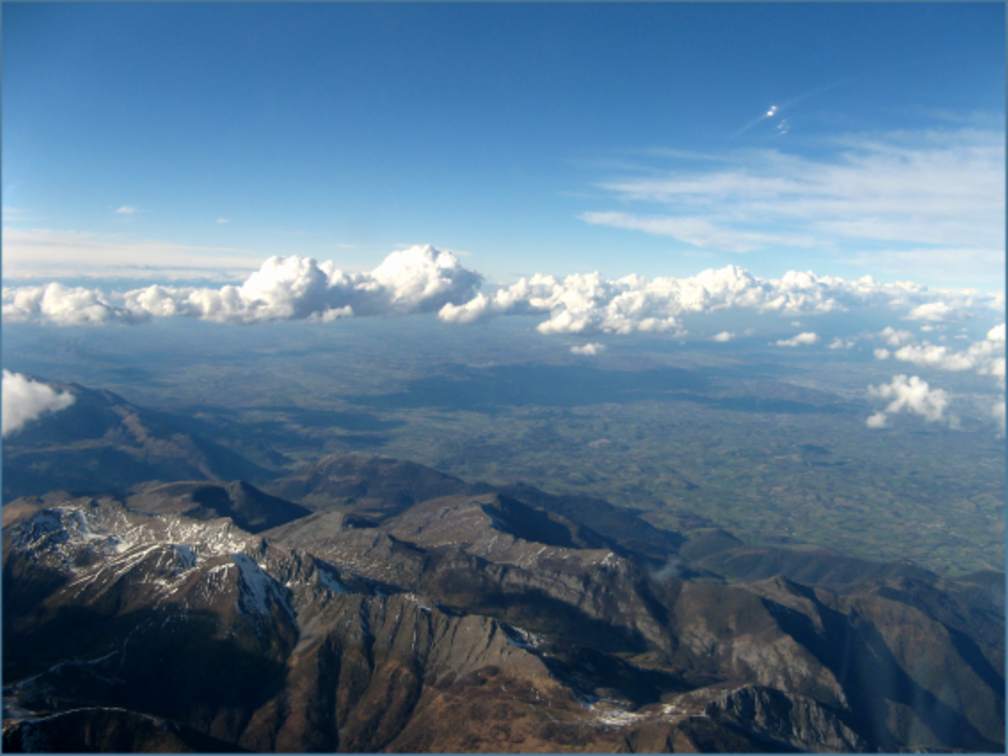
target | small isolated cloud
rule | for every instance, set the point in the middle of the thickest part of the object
(931, 311)
(839, 343)
(723, 336)
(805, 338)
(907, 394)
(24, 400)
(125, 210)
(590, 349)
(876, 420)
(894, 337)
(223, 221)
(881, 353)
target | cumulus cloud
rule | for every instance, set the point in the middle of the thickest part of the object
(907, 394)
(933, 311)
(590, 349)
(985, 357)
(894, 337)
(416, 279)
(425, 279)
(24, 400)
(723, 336)
(55, 303)
(587, 303)
(839, 343)
(125, 210)
(804, 338)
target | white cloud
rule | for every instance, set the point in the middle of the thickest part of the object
(24, 400)
(985, 357)
(932, 311)
(223, 221)
(55, 303)
(881, 353)
(801, 339)
(839, 343)
(590, 349)
(698, 232)
(39, 252)
(934, 198)
(894, 337)
(907, 394)
(723, 336)
(586, 303)
(876, 420)
(125, 210)
(417, 279)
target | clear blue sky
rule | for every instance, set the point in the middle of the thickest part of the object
(523, 135)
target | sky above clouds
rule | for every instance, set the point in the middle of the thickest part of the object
(169, 142)
(604, 169)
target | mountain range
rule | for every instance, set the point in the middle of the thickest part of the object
(155, 599)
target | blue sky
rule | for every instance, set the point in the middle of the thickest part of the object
(528, 138)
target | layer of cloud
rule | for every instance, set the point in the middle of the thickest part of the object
(589, 303)
(805, 338)
(926, 199)
(424, 279)
(907, 394)
(24, 400)
(416, 279)
(48, 253)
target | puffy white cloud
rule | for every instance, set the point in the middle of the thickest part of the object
(125, 210)
(416, 279)
(985, 357)
(723, 336)
(894, 337)
(907, 394)
(424, 279)
(586, 303)
(590, 349)
(839, 343)
(24, 400)
(876, 420)
(932, 311)
(65, 305)
(805, 338)
(881, 353)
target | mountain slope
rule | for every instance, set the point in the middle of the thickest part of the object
(429, 614)
(102, 443)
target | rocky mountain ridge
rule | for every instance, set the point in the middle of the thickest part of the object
(390, 607)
